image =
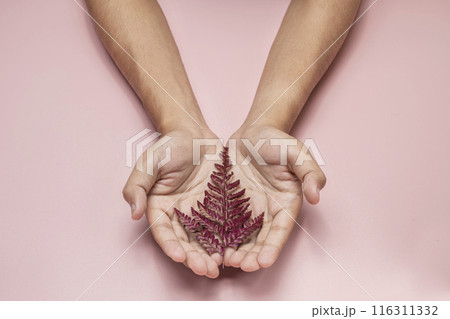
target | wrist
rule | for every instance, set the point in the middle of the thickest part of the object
(167, 116)
(181, 122)
(279, 111)
(281, 117)
(186, 127)
(248, 131)
(252, 123)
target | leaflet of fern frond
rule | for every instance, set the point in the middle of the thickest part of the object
(204, 210)
(207, 224)
(209, 242)
(244, 232)
(238, 221)
(253, 224)
(219, 181)
(215, 189)
(187, 221)
(236, 194)
(233, 185)
(237, 202)
(213, 209)
(218, 199)
(238, 210)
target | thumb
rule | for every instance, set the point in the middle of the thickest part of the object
(136, 191)
(309, 173)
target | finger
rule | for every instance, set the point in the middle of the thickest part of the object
(163, 233)
(217, 258)
(236, 258)
(137, 187)
(211, 265)
(249, 261)
(276, 239)
(227, 254)
(240, 254)
(308, 172)
(189, 242)
(211, 273)
(195, 261)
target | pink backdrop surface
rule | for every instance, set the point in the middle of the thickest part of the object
(380, 118)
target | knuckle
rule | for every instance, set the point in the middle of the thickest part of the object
(162, 227)
(279, 228)
(126, 192)
(277, 248)
(324, 179)
(321, 177)
(259, 243)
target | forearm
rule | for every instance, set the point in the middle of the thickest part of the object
(140, 29)
(308, 29)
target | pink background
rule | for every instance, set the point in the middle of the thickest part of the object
(380, 118)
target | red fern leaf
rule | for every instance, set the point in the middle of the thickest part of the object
(236, 195)
(223, 219)
(233, 185)
(188, 222)
(210, 242)
(215, 189)
(213, 197)
(208, 224)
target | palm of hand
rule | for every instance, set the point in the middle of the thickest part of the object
(273, 189)
(178, 184)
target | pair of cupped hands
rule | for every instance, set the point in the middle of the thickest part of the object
(276, 187)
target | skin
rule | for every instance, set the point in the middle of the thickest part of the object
(308, 28)
(142, 30)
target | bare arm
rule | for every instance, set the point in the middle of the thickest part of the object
(140, 29)
(138, 38)
(307, 31)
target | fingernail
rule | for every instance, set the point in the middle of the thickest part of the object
(133, 208)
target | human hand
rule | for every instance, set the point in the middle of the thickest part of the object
(275, 188)
(179, 183)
